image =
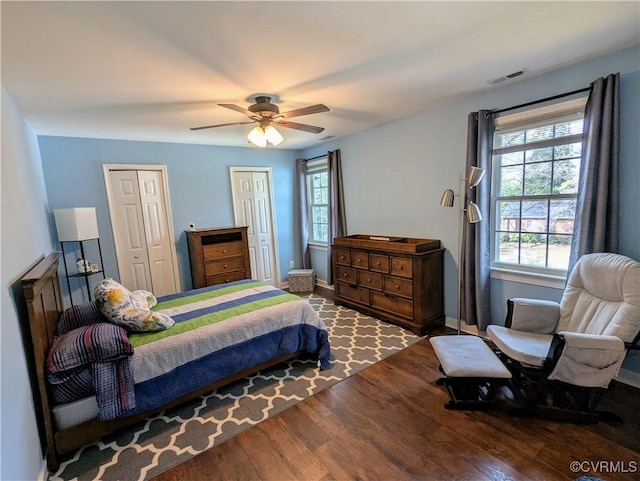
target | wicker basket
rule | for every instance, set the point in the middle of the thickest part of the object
(301, 280)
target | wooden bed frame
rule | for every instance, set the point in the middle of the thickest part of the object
(41, 287)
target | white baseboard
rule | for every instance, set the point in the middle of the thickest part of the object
(43, 475)
(453, 324)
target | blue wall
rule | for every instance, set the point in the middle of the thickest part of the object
(25, 239)
(395, 174)
(199, 187)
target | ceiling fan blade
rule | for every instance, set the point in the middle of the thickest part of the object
(237, 108)
(220, 125)
(312, 109)
(294, 125)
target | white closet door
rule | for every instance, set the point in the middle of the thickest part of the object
(142, 231)
(253, 208)
(128, 230)
(156, 230)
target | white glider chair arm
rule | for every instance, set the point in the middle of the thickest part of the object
(588, 360)
(532, 315)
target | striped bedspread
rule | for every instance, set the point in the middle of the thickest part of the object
(219, 331)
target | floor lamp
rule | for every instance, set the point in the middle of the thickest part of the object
(472, 214)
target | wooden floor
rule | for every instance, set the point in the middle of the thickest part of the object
(388, 423)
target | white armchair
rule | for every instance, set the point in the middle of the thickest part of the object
(564, 350)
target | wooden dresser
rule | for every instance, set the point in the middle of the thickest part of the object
(395, 279)
(218, 255)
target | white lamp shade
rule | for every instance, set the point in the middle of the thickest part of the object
(76, 224)
(273, 136)
(257, 137)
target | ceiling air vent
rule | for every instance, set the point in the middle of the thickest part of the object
(510, 76)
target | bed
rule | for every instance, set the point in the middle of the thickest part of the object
(221, 334)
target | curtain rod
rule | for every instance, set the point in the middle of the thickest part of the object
(314, 158)
(586, 89)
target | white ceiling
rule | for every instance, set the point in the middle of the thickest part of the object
(151, 70)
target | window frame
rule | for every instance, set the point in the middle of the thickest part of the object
(545, 276)
(314, 167)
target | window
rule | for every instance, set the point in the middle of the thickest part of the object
(317, 199)
(536, 167)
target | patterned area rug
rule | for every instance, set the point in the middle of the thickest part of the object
(159, 443)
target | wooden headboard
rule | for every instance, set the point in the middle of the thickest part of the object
(41, 286)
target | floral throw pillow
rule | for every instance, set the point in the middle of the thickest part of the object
(131, 310)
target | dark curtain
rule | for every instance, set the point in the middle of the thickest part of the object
(303, 209)
(337, 222)
(475, 258)
(596, 222)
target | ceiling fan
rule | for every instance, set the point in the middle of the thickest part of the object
(268, 115)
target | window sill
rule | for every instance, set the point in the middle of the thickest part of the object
(317, 246)
(543, 280)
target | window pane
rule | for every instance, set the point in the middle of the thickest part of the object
(538, 155)
(537, 179)
(511, 180)
(567, 151)
(508, 247)
(508, 216)
(320, 232)
(511, 158)
(509, 139)
(559, 250)
(533, 250)
(540, 133)
(319, 195)
(569, 128)
(565, 176)
(534, 216)
(563, 212)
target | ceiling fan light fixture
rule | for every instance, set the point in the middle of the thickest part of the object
(273, 136)
(257, 137)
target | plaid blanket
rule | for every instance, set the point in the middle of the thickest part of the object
(93, 359)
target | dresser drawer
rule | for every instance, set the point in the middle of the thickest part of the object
(398, 287)
(401, 266)
(379, 263)
(370, 280)
(394, 305)
(359, 260)
(223, 249)
(212, 268)
(348, 275)
(224, 278)
(343, 257)
(355, 294)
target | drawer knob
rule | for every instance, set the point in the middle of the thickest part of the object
(345, 275)
(378, 264)
(224, 251)
(397, 286)
(225, 266)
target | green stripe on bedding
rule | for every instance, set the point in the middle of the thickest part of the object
(203, 296)
(140, 339)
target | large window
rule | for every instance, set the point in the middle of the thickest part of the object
(536, 165)
(317, 199)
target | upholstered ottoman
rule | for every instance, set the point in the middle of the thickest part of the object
(301, 280)
(473, 372)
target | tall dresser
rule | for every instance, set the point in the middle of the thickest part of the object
(218, 255)
(395, 279)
